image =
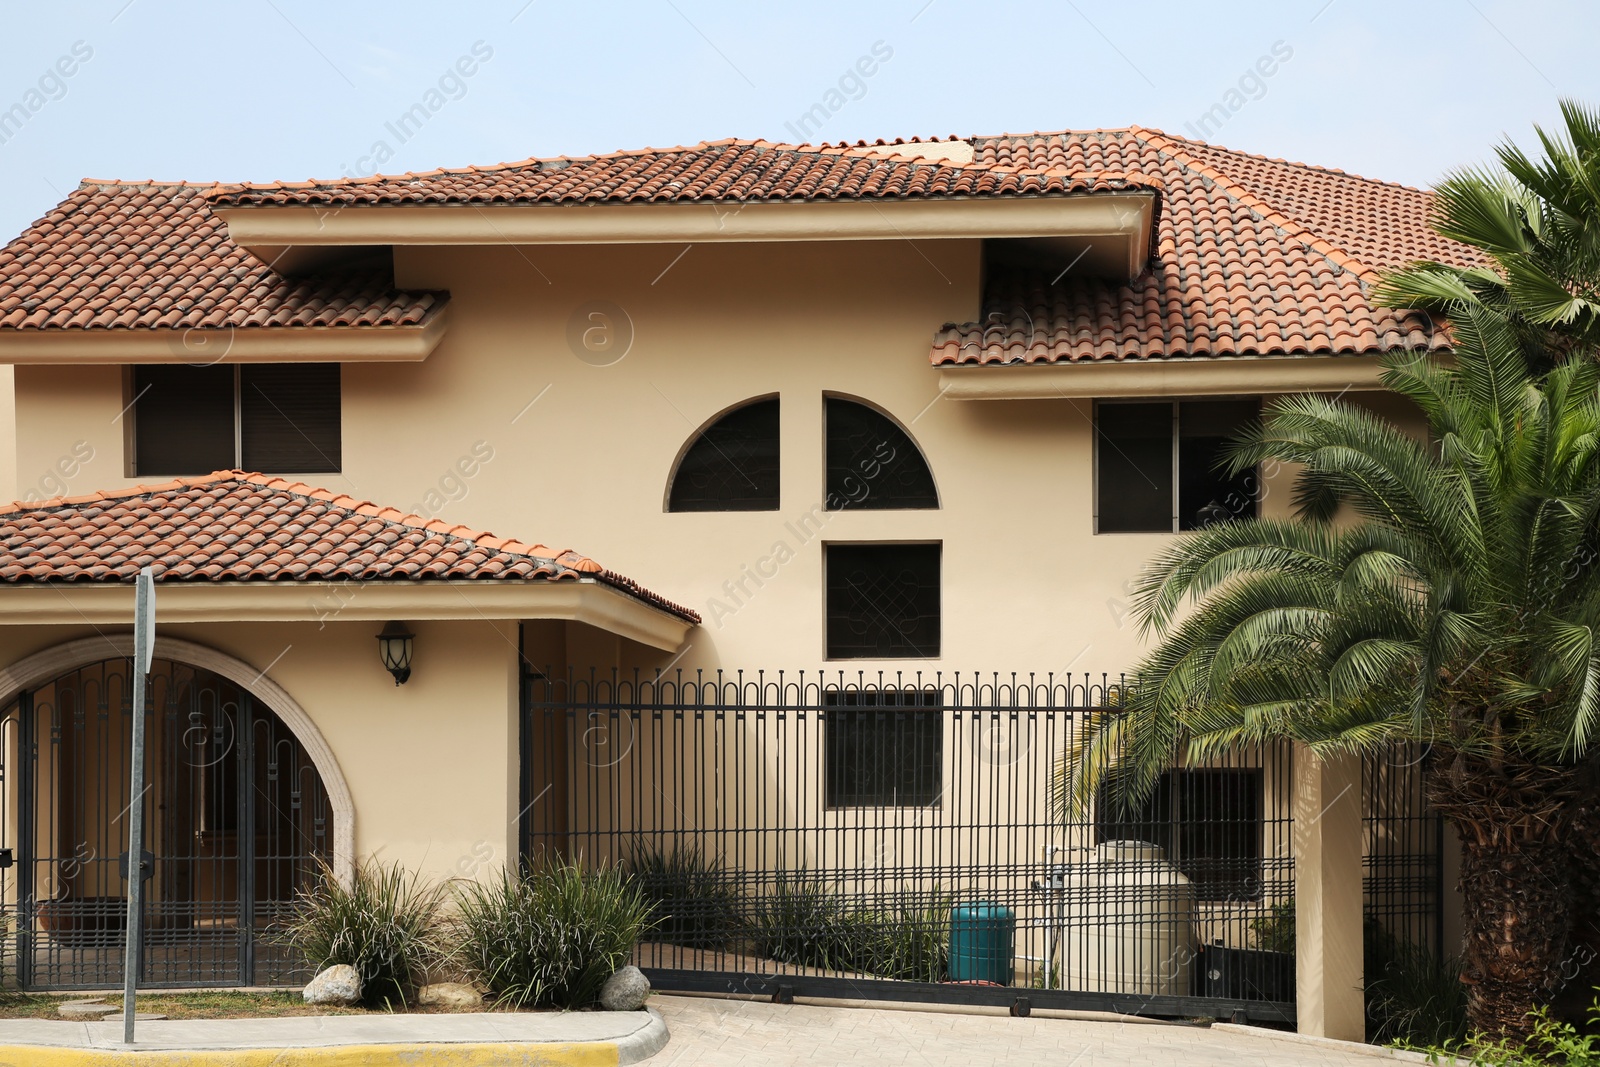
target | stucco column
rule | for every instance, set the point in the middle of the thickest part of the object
(1327, 879)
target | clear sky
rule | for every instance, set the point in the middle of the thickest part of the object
(291, 89)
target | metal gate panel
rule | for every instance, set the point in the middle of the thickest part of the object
(235, 817)
(813, 832)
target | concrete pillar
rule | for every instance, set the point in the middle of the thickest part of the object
(1327, 878)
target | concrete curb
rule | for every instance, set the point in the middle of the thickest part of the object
(633, 1047)
(1354, 1047)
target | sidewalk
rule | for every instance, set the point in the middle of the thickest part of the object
(545, 1038)
(710, 1032)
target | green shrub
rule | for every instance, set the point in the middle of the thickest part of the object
(1417, 998)
(1551, 1042)
(549, 935)
(1274, 931)
(803, 922)
(387, 924)
(693, 901)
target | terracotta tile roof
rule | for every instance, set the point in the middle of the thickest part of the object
(711, 171)
(120, 255)
(233, 526)
(1255, 257)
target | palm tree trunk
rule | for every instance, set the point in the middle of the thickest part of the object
(1515, 883)
(1583, 970)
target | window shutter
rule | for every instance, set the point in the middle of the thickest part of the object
(289, 418)
(182, 420)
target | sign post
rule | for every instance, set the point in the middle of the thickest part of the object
(144, 638)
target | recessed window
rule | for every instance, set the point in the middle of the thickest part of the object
(872, 462)
(1157, 465)
(271, 417)
(885, 747)
(732, 465)
(1207, 821)
(883, 601)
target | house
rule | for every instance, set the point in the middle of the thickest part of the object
(885, 430)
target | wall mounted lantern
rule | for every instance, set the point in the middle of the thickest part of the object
(394, 643)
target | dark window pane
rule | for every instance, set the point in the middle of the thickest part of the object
(732, 465)
(1205, 493)
(1134, 479)
(1219, 833)
(182, 419)
(884, 747)
(873, 463)
(1209, 822)
(289, 417)
(883, 601)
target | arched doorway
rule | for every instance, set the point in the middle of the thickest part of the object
(237, 818)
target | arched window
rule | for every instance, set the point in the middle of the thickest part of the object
(872, 462)
(732, 464)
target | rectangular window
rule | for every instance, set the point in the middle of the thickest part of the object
(279, 418)
(1209, 822)
(1156, 465)
(883, 601)
(885, 747)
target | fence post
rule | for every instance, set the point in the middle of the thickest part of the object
(1327, 878)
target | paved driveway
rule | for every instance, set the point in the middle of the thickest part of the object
(711, 1033)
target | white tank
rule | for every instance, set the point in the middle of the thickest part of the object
(1128, 923)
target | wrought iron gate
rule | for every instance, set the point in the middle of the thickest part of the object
(236, 818)
(894, 837)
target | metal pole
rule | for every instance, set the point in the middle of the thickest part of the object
(143, 640)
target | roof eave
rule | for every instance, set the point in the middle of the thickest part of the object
(582, 600)
(1194, 376)
(227, 344)
(1126, 216)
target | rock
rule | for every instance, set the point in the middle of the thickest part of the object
(625, 990)
(457, 995)
(339, 984)
(86, 1009)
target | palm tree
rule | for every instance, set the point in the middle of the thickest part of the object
(1537, 225)
(1460, 608)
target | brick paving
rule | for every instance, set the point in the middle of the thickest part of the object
(710, 1032)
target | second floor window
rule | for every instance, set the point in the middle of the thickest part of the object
(276, 418)
(732, 464)
(1156, 465)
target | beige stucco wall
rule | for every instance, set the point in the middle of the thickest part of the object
(431, 765)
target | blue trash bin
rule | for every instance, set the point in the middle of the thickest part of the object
(983, 942)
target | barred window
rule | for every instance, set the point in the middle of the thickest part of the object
(885, 747)
(872, 462)
(883, 601)
(732, 465)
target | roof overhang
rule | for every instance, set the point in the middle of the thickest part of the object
(1124, 218)
(1217, 376)
(242, 344)
(584, 600)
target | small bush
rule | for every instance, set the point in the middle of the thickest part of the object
(1417, 998)
(386, 923)
(805, 923)
(1550, 1042)
(693, 900)
(549, 936)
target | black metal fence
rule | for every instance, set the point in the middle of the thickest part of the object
(894, 836)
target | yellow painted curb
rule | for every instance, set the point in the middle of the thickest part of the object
(532, 1054)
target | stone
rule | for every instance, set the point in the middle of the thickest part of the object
(86, 1009)
(456, 995)
(625, 990)
(339, 984)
